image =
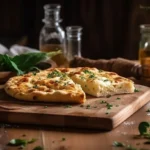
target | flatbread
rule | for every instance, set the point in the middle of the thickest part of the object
(98, 82)
(47, 86)
(67, 85)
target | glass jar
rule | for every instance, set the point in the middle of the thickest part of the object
(73, 41)
(52, 36)
(144, 50)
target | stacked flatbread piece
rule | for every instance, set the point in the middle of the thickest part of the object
(67, 85)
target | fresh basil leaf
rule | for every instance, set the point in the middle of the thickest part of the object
(17, 142)
(118, 144)
(12, 66)
(143, 127)
(38, 148)
(28, 60)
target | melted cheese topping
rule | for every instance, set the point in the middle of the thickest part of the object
(98, 82)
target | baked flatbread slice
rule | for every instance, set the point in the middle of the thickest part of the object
(98, 82)
(47, 86)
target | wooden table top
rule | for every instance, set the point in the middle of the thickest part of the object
(51, 138)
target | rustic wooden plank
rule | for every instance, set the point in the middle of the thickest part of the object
(92, 114)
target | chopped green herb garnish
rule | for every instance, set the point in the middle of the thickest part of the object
(55, 73)
(87, 72)
(88, 106)
(103, 102)
(34, 73)
(106, 80)
(38, 148)
(144, 128)
(82, 78)
(45, 106)
(100, 70)
(68, 106)
(81, 105)
(63, 139)
(136, 90)
(107, 113)
(18, 142)
(118, 98)
(148, 110)
(109, 106)
(35, 86)
(118, 144)
(92, 76)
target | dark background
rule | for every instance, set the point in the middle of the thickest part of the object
(110, 27)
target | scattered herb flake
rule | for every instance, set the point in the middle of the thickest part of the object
(45, 106)
(143, 128)
(103, 102)
(100, 70)
(82, 105)
(106, 80)
(148, 110)
(88, 106)
(136, 90)
(38, 148)
(109, 106)
(118, 144)
(63, 139)
(107, 113)
(118, 98)
(17, 142)
(35, 86)
(68, 106)
(34, 73)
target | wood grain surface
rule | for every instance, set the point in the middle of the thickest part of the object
(93, 114)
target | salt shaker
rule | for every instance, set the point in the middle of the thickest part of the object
(73, 41)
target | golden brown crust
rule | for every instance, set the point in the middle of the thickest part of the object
(49, 86)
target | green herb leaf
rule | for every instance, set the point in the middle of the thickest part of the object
(118, 98)
(63, 139)
(109, 106)
(118, 144)
(38, 148)
(136, 90)
(24, 62)
(143, 127)
(148, 110)
(68, 106)
(17, 142)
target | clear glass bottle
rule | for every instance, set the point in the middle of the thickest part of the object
(73, 41)
(144, 50)
(52, 36)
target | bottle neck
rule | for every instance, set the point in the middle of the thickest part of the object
(52, 15)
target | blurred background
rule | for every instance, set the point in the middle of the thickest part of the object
(110, 27)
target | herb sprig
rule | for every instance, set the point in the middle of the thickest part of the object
(23, 63)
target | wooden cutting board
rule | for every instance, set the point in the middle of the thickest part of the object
(95, 113)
